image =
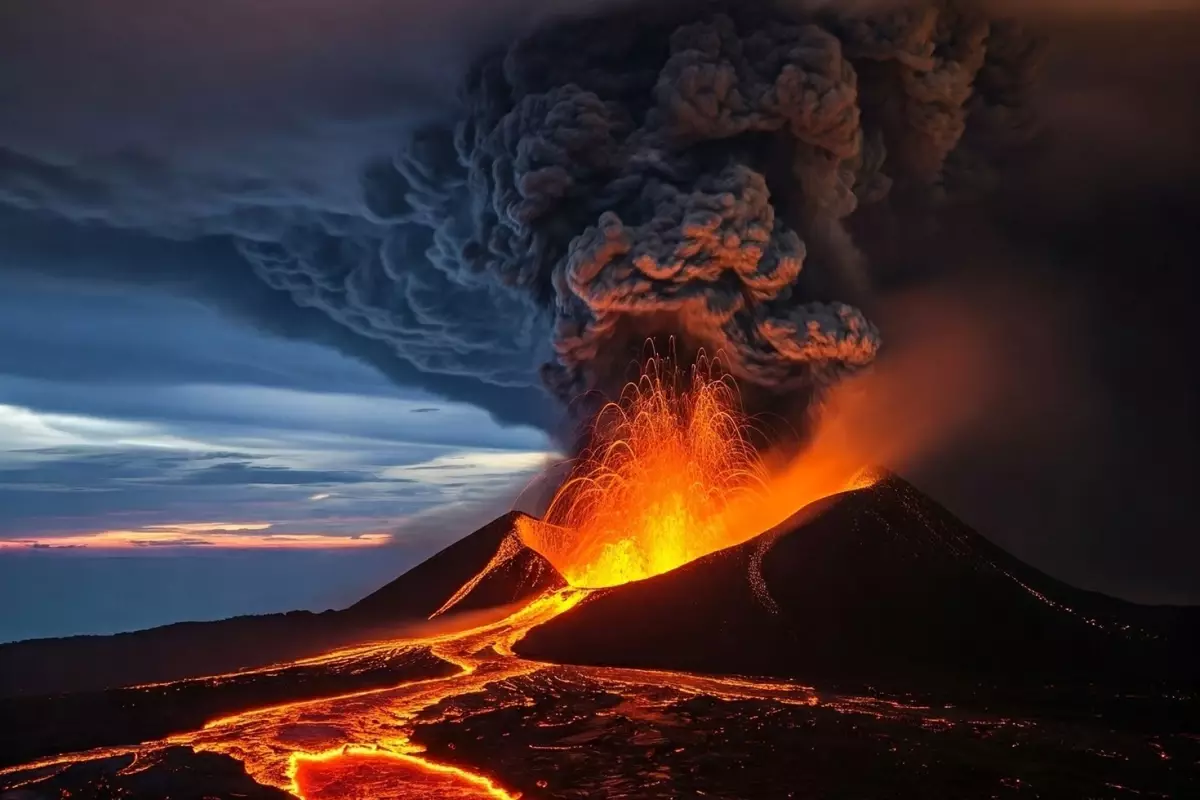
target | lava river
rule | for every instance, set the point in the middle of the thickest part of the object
(670, 476)
(360, 745)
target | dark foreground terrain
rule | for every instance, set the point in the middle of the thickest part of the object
(898, 654)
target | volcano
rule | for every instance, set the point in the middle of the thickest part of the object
(881, 586)
(490, 568)
(873, 639)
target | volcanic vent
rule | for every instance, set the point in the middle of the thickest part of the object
(654, 489)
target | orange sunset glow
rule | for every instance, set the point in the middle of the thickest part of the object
(209, 535)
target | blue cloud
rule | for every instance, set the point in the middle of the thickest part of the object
(100, 269)
(244, 474)
(142, 409)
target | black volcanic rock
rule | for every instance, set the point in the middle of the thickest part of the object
(45, 725)
(884, 587)
(517, 573)
(177, 773)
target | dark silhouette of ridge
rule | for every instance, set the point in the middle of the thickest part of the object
(177, 773)
(518, 573)
(885, 587)
(197, 649)
(167, 653)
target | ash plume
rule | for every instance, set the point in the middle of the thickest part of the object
(658, 169)
(663, 170)
(151, 145)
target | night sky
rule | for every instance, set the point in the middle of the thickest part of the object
(180, 441)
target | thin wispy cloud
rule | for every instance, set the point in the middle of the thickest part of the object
(29, 429)
(472, 463)
(215, 535)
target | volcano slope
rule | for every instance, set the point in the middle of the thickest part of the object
(199, 649)
(88, 691)
(917, 660)
(488, 569)
(882, 587)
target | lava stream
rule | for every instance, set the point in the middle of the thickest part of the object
(671, 476)
(358, 773)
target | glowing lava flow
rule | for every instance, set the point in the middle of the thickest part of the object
(649, 494)
(357, 746)
(337, 733)
(671, 477)
(314, 749)
(360, 773)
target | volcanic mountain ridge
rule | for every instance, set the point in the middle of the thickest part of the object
(878, 596)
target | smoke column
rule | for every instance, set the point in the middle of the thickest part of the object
(677, 169)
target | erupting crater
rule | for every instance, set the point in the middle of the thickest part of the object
(654, 488)
(671, 474)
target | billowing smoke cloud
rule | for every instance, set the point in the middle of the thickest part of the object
(152, 144)
(667, 170)
(643, 170)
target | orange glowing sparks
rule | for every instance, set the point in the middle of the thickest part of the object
(672, 476)
(649, 494)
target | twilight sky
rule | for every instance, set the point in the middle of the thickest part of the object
(180, 441)
(160, 462)
(177, 440)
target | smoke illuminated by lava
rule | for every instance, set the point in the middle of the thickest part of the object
(672, 475)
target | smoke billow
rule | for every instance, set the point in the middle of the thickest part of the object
(683, 170)
(570, 201)
(694, 170)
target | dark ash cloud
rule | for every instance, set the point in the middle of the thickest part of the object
(671, 170)
(211, 270)
(139, 144)
(140, 150)
(596, 181)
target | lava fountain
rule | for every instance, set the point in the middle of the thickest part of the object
(671, 474)
(649, 494)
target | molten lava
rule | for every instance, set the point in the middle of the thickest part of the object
(671, 476)
(348, 773)
(649, 494)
